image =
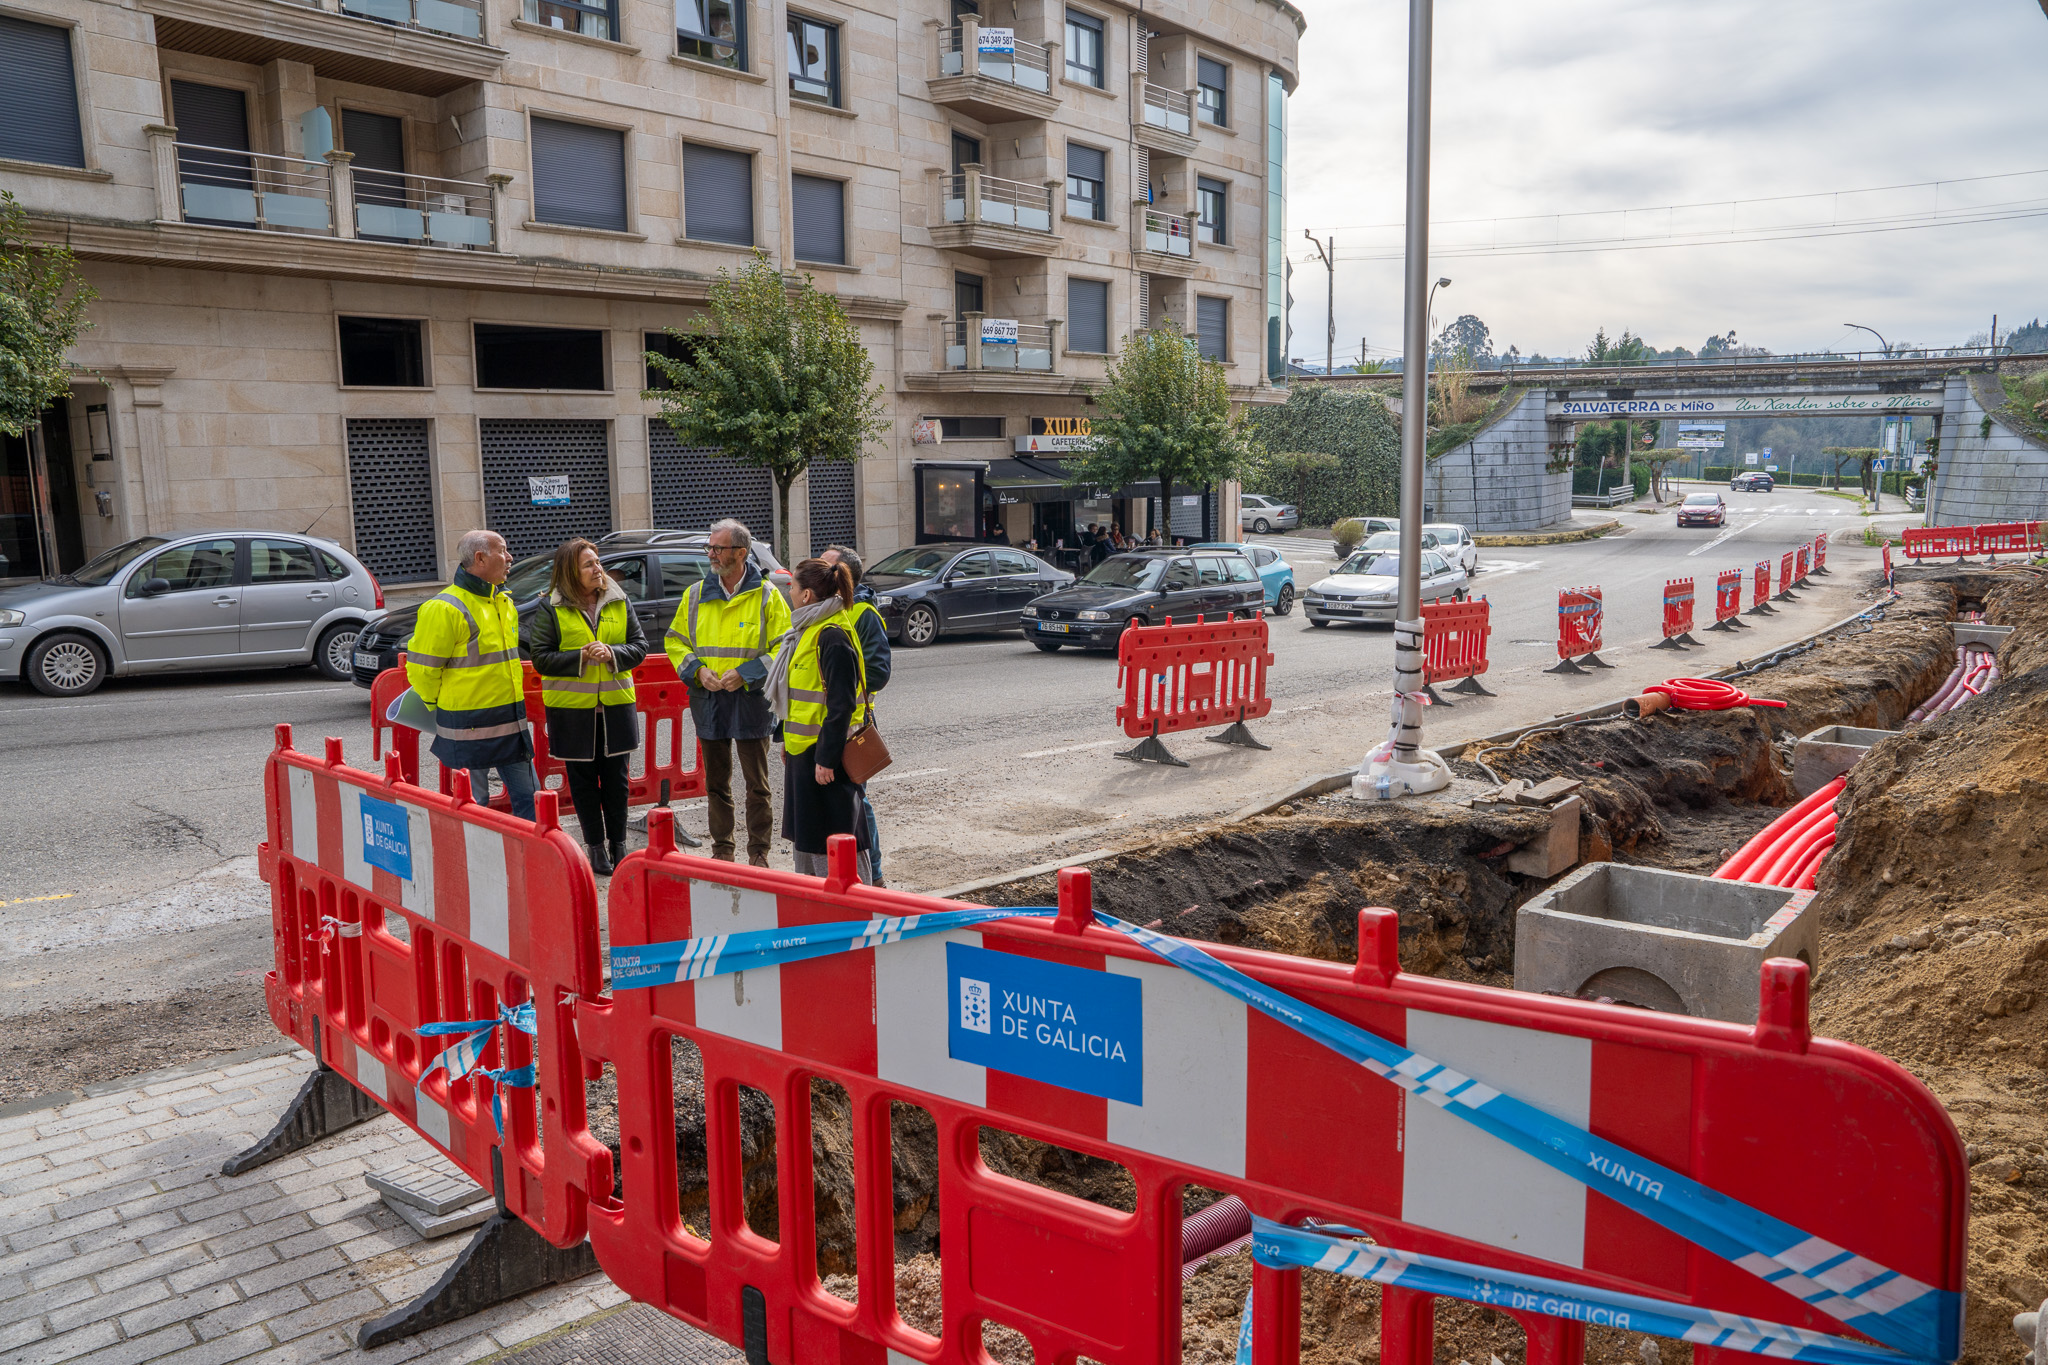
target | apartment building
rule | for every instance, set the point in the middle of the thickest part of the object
(387, 269)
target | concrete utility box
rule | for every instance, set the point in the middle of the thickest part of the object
(1669, 941)
(1972, 633)
(1827, 753)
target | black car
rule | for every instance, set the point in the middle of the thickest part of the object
(931, 590)
(1755, 481)
(1144, 588)
(653, 575)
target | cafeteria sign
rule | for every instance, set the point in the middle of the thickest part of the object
(551, 490)
(1050, 434)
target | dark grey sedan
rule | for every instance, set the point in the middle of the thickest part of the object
(931, 590)
(208, 600)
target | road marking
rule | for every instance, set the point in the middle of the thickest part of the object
(1071, 748)
(31, 900)
(898, 777)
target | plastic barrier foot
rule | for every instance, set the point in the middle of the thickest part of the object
(1435, 698)
(1786, 595)
(1685, 638)
(328, 1103)
(1239, 735)
(505, 1259)
(1668, 643)
(1470, 687)
(1150, 750)
(1565, 666)
(1595, 660)
(1762, 609)
(1728, 624)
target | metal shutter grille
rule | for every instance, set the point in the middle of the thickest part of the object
(1089, 163)
(515, 450)
(210, 115)
(718, 195)
(1208, 72)
(1087, 315)
(579, 175)
(376, 141)
(694, 486)
(39, 97)
(833, 520)
(1144, 302)
(390, 486)
(1144, 61)
(1212, 326)
(818, 216)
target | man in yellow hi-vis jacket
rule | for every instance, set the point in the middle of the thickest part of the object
(463, 661)
(727, 628)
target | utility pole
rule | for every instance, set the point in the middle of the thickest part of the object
(1329, 254)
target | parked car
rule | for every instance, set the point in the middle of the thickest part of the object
(1142, 588)
(1260, 514)
(1276, 573)
(654, 578)
(172, 604)
(1391, 540)
(1366, 587)
(1753, 481)
(1455, 542)
(1703, 509)
(1376, 526)
(927, 591)
(762, 555)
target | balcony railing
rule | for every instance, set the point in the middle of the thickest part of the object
(423, 209)
(983, 343)
(1169, 109)
(220, 186)
(455, 18)
(973, 196)
(967, 50)
(1169, 234)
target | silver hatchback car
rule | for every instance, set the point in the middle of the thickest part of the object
(162, 604)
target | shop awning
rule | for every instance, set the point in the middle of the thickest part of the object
(1037, 479)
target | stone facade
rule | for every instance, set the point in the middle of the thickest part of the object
(1497, 481)
(214, 348)
(1996, 477)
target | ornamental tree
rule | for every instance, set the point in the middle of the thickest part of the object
(42, 312)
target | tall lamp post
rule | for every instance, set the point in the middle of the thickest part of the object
(1328, 251)
(1400, 767)
(1874, 332)
(1443, 282)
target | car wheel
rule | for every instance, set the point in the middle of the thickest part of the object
(1046, 646)
(66, 666)
(1284, 603)
(1261, 527)
(1319, 625)
(920, 626)
(335, 655)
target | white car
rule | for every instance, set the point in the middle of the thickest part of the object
(1366, 587)
(1456, 542)
(1391, 540)
(1260, 514)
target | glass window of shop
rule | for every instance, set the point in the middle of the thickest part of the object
(948, 502)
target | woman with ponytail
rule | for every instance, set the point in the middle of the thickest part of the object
(817, 688)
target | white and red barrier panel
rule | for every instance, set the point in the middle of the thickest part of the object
(1992, 539)
(1820, 553)
(1728, 595)
(1193, 675)
(1887, 563)
(1454, 644)
(1678, 596)
(1785, 576)
(1580, 614)
(1802, 566)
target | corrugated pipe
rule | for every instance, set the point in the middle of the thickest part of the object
(1954, 679)
(1767, 840)
(1217, 1230)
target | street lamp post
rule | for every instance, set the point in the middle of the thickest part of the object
(1874, 332)
(1400, 767)
(1443, 282)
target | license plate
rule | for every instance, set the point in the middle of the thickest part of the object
(1060, 627)
(365, 660)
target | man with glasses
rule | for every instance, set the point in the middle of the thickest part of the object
(726, 630)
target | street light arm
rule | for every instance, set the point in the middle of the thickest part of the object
(1874, 332)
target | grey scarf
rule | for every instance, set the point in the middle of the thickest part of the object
(776, 685)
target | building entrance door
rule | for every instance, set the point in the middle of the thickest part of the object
(40, 535)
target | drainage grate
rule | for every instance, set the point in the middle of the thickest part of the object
(390, 488)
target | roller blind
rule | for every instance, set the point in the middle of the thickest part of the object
(579, 175)
(39, 96)
(1087, 315)
(210, 115)
(817, 213)
(718, 195)
(1212, 326)
(1090, 163)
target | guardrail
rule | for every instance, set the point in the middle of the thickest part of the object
(423, 209)
(1169, 234)
(965, 51)
(1168, 109)
(974, 196)
(452, 18)
(973, 344)
(1614, 497)
(225, 187)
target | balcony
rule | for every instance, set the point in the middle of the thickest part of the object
(988, 216)
(977, 342)
(994, 76)
(422, 47)
(1166, 241)
(254, 191)
(1166, 118)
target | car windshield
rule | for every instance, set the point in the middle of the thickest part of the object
(100, 570)
(529, 577)
(916, 562)
(1445, 535)
(1124, 571)
(1372, 564)
(1702, 500)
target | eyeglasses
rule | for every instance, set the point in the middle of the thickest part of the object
(725, 547)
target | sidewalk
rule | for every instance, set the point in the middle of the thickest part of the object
(120, 1241)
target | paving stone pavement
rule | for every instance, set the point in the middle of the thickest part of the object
(121, 1242)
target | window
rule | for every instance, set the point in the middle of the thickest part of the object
(1212, 327)
(1240, 569)
(678, 572)
(1180, 576)
(675, 348)
(976, 565)
(538, 357)
(967, 294)
(817, 214)
(1009, 561)
(713, 31)
(600, 20)
(813, 60)
(1087, 315)
(579, 175)
(718, 195)
(1212, 571)
(971, 428)
(335, 569)
(1212, 207)
(282, 561)
(1087, 173)
(1212, 92)
(966, 151)
(39, 98)
(631, 576)
(1084, 48)
(382, 353)
(209, 564)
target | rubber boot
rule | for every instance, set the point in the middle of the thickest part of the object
(599, 863)
(618, 852)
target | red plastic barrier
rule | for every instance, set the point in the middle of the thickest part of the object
(2008, 538)
(1887, 563)
(1228, 1099)
(1454, 636)
(1802, 566)
(661, 698)
(1678, 609)
(1763, 584)
(1785, 578)
(393, 907)
(1189, 677)
(1579, 614)
(1820, 553)
(1939, 542)
(1727, 595)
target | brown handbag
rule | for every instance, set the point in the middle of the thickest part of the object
(866, 752)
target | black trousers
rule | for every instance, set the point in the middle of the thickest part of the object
(598, 791)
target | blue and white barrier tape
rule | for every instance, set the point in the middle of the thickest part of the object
(1899, 1311)
(463, 1058)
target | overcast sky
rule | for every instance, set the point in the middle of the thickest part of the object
(1572, 106)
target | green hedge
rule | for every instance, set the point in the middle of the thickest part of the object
(1353, 425)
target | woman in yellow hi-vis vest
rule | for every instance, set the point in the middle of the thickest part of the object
(586, 643)
(817, 687)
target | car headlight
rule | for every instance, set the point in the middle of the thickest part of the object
(10, 617)
(1092, 615)
(1027, 611)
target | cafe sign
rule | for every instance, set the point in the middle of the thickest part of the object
(1050, 435)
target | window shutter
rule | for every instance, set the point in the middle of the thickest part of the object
(1212, 326)
(377, 141)
(718, 195)
(818, 217)
(1087, 315)
(1088, 163)
(1144, 60)
(39, 97)
(579, 175)
(1209, 72)
(210, 115)
(1144, 302)
(1144, 164)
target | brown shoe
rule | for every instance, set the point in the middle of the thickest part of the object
(758, 859)
(722, 852)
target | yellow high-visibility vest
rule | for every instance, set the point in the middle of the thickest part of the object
(596, 685)
(807, 688)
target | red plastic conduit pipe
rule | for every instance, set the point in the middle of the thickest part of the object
(1706, 694)
(1811, 870)
(1771, 834)
(1792, 853)
(1926, 708)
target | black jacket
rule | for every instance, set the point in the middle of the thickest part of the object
(812, 813)
(874, 641)
(573, 731)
